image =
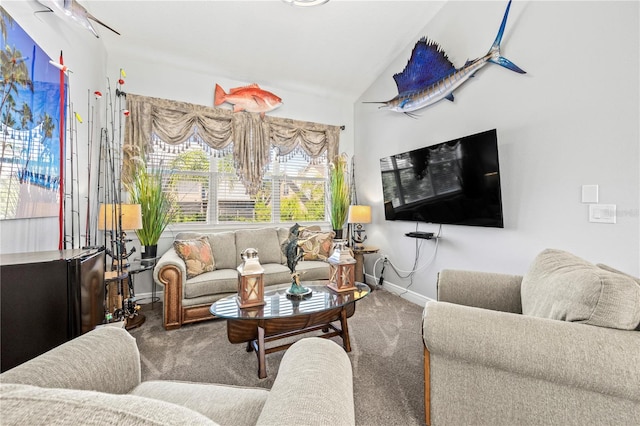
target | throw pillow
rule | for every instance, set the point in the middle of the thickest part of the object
(316, 245)
(610, 269)
(197, 255)
(565, 287)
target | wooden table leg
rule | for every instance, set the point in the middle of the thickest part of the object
(345, 330)
(359, 269)
(262, 366)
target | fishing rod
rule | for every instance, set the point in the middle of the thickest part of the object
(61, 160)
(98, 186)
(72, 124)
(87, 224)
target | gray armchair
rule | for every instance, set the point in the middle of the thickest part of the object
(487, 363)
(96, 379)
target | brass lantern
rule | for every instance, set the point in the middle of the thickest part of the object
(250, 280)
(341, 269)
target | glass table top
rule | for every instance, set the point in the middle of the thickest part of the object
(278, 305)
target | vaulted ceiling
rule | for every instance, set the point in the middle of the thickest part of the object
(337, 49)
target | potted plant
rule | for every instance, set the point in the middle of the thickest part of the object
(145, 188)
(339, 195)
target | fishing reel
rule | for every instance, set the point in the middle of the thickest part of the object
(118, 251)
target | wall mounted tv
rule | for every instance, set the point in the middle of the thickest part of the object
(455, 182)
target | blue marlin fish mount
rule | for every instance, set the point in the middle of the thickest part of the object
(430, 77)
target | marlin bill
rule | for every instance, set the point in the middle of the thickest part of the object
(430, 77)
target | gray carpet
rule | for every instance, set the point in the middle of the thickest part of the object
(386, 356)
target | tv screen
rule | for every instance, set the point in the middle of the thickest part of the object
(455, 182)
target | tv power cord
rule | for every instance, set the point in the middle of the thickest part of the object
(381, 279)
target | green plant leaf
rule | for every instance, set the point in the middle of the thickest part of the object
(145, 189)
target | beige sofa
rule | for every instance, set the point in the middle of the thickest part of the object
(188, 300)
(556, 346)
(95, 380)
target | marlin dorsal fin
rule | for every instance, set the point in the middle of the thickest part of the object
(427, 65)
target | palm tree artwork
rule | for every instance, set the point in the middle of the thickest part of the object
(29, 118)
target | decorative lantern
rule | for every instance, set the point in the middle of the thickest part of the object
(341, 269)
(250, 280)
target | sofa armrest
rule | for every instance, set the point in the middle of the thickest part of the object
(171, 273)
(170, 258)
(105, 360)
(593, 358)
(498, 292)
(314, 386)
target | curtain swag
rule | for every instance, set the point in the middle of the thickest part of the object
(175, 122)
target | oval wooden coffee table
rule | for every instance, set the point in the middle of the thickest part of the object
(281, 317)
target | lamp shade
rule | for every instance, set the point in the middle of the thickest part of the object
(109, 213)
(306, 3)
(359, 214)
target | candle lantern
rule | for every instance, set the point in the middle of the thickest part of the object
(341, 269)
(250, 280)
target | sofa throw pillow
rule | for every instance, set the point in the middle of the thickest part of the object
(562, 286)
(197, 255)
(316, 245)
(610, 269)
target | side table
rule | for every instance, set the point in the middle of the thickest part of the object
(358, 254)
(146, 264)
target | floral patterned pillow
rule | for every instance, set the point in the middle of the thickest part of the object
(197, 255)
(316, 245)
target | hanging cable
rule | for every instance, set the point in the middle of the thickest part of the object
(408, 274)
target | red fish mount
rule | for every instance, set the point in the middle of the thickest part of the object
(249, 98)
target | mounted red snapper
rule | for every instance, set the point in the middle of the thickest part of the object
(248, 98)
(430, 77)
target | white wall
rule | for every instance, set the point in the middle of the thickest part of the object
(170, 80)
(572, 120)
(85, 55)
(92, 66)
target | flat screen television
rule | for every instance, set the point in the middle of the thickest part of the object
(455, 182)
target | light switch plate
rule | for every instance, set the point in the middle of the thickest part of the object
(589, 193)
(602, 213)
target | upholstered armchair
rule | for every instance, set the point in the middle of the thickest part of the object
(572, 358)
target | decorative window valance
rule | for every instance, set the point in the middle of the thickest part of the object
(175, 122)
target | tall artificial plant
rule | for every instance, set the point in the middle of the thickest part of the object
(339, 193)
(145, 189)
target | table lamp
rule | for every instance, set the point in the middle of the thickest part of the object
(358, 215)
(116, 218)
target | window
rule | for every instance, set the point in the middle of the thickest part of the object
(205, 189)
(419, 175)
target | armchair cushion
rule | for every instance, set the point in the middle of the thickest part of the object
(71, 406)
(224, 404)
(565, 287)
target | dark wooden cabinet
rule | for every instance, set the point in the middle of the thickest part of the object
(46, 299)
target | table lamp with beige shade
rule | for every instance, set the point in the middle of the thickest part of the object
(358, 214)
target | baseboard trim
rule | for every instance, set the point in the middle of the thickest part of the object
(145, 298)
(408, 295)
